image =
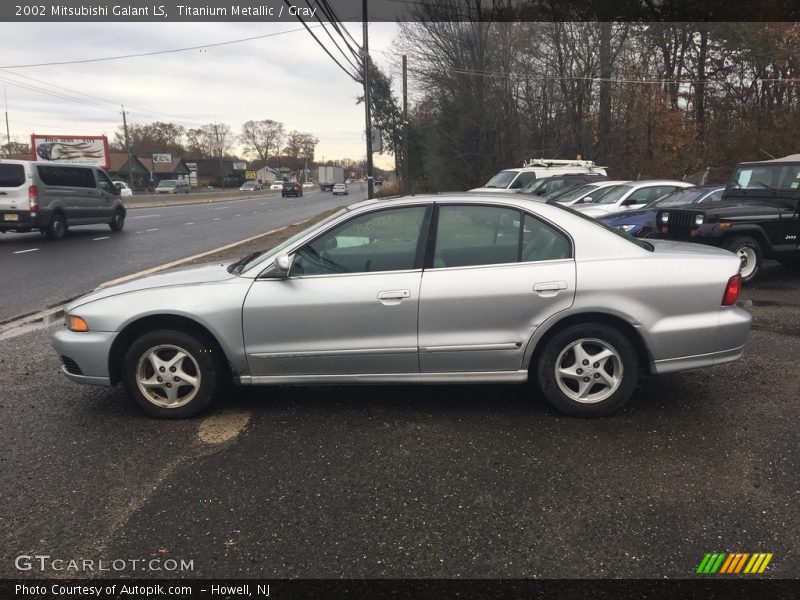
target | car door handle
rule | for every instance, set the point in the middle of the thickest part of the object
(394, 295)
(550, 286)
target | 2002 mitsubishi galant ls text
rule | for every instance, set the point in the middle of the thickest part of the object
(444, 289)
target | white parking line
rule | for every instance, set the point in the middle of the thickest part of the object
(154, 229)
(217, 219)
(189, 223)
(145, 216)
(24, 251)
(237, 215)
(221, 207)
(105, 237)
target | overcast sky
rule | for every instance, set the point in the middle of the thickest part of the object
(287, 78)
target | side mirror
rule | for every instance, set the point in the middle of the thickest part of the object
(630, 202)
(279, 269)
(584, 200)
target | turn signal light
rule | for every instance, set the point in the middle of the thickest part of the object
(76, 323)
(731, 295)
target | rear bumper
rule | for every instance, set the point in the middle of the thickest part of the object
(23, 220)
(733, 329)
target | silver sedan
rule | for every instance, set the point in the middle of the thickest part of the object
(445, 289)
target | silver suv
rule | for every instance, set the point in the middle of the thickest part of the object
(53, 197)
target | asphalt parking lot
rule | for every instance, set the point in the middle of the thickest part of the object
(416, 481)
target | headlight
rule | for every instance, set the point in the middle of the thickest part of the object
(625, 228)
(698, 219)
(74, 323)
(664, 217)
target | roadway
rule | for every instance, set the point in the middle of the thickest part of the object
(38, 273)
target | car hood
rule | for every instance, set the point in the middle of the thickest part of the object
(594, 210)
(205, 273)
(621, 218)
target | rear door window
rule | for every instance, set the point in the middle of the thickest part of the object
(11, 175)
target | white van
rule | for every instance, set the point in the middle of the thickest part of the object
(51, 197)
(513, 180)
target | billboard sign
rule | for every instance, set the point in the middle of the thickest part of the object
(162, 158)
(192, 172)
(89, 150)
(239, 166)
(249, 174)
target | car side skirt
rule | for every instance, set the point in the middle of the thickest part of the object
(461, 377)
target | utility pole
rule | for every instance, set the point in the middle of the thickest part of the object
(219, 149)
(8, 131)
(127, 148)
(367, 110)
(406, 182)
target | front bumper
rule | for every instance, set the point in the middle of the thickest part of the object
(85, 355)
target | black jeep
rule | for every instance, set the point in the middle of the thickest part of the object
(758, 217)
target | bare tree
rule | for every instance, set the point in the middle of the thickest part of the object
(259, 137)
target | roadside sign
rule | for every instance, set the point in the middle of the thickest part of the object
(239, 166)
(162, 158)
(75, 150)
(249, 174)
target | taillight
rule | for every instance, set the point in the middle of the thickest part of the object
(731, 295)
(33, 198)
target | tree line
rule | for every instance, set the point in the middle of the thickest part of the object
(645, 99)
(265, 140)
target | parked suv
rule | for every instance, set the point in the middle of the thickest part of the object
(173, 186)
(53, 197)
(513, 180)
(556, 183)
(291, 188)
(758, 217)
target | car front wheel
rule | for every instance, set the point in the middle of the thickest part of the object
(171, 374)
(587, 370)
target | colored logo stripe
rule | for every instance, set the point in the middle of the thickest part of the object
(735, 562)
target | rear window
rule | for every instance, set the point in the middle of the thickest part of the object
(66, 176)
(12, 175)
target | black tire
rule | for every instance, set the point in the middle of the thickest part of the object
(202, 361)
(118, 220)
(590, 338)
(750, 255)
(57, 228)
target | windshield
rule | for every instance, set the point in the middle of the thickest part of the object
(617, 232)
(775, 176)
(251, 260)
(502, 180)
(168, 183)
(578, 192)
(679, 197)
(614, 195)
(534, 186)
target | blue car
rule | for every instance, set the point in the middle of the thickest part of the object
(641, 222)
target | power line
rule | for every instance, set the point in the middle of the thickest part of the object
(157, 52)
(344, 54)
(335, 22)
(321, 45)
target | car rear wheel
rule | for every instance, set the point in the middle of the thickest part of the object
(118, 221)
(57, 228)
(749, 252)
(171, 374)
(587, 370)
